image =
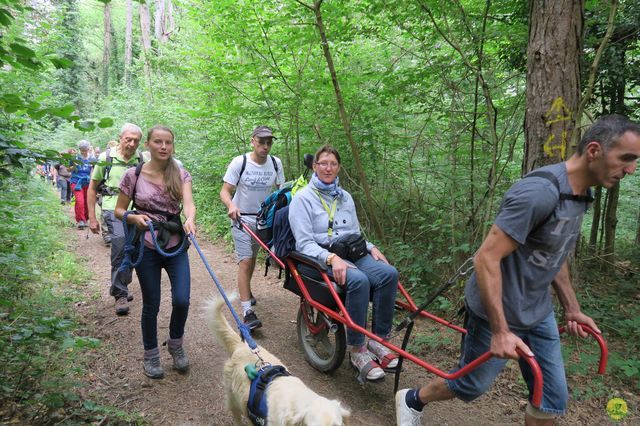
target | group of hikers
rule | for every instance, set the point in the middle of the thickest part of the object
(520, 264)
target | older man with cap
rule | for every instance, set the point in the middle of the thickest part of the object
(249, 179)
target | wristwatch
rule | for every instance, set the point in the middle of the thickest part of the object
(330, 258)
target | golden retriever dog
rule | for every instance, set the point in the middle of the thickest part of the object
(289, 400)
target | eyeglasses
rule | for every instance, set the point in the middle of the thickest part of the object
(327, 165)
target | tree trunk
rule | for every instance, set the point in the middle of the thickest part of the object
(593, 236)
(553, 79)
(145, 34)
(611, 221)
(127, 43)
(355, 152)
(161, 21)
(106, 50)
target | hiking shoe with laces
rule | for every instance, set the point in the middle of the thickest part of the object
(122, 306)
(366, 367)
(180, 360)
(251, 320)
(153, 368)
(384, 356)
(405, 415)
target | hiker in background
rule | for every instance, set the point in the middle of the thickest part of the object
(63, 183)
(106, 180)
(80, 177)
(157, 189)
(249, 179)
(324, 223)
(508, 297)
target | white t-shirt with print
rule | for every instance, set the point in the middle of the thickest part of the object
(256, 183)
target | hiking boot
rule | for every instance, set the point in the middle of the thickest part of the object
(180, 360)
(122, 306)
(252, 299)
(251, 320)
(81, 224)
(405, 415)
(107, 240)
(153, 368)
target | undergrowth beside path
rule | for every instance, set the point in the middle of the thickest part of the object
(42, 343)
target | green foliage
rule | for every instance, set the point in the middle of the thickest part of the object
(41, 344)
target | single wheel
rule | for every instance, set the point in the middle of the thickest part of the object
(325, 349)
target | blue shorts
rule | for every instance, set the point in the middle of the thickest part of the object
(543, 340)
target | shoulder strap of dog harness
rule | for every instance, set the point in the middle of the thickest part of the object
(257, 403)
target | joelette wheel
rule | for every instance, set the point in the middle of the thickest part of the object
(323, 346)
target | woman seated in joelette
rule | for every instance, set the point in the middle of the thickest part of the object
(322, 215)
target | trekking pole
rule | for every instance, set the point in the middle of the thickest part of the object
(245, 332)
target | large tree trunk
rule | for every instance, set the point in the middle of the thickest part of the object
(553, 79)
(346, 123)
(127, 43)
(106, 50)
(145, 35)
(160, 24)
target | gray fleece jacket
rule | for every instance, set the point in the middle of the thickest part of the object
(309, 221)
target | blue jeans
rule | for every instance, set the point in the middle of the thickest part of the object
(372, 280)
(149, 274)
(543, 340)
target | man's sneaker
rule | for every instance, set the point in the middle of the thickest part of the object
(366, 367)
(153, 368)
(405, 415)
(129, 297)
(180, 360)
(252, 299)
(122, 306)
(251, 320)
(81, 224)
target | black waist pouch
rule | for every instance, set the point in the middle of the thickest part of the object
(352, 247)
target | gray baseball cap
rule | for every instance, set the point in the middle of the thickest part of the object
(263, 132)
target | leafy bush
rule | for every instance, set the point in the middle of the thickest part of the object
(41, 345)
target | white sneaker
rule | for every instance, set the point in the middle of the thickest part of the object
(405, 415)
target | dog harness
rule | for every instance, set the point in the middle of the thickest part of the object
(257, 403)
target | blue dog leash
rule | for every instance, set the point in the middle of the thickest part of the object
(245, 332)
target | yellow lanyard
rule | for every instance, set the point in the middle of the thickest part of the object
(330, 211)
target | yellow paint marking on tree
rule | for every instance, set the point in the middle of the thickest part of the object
(558, 112)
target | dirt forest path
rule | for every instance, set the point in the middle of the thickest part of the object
(116, 378)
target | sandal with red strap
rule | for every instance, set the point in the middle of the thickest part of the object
(365, 366)
(386, 358)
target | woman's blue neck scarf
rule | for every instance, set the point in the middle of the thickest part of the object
(333, 189)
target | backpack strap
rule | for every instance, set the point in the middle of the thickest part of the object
(135, 185)
(107, 169)
(587, 199)
(244, 165)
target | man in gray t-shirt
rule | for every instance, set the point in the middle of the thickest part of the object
(510, 311)
(250, 178)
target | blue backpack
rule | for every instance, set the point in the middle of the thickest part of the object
(264, 220)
